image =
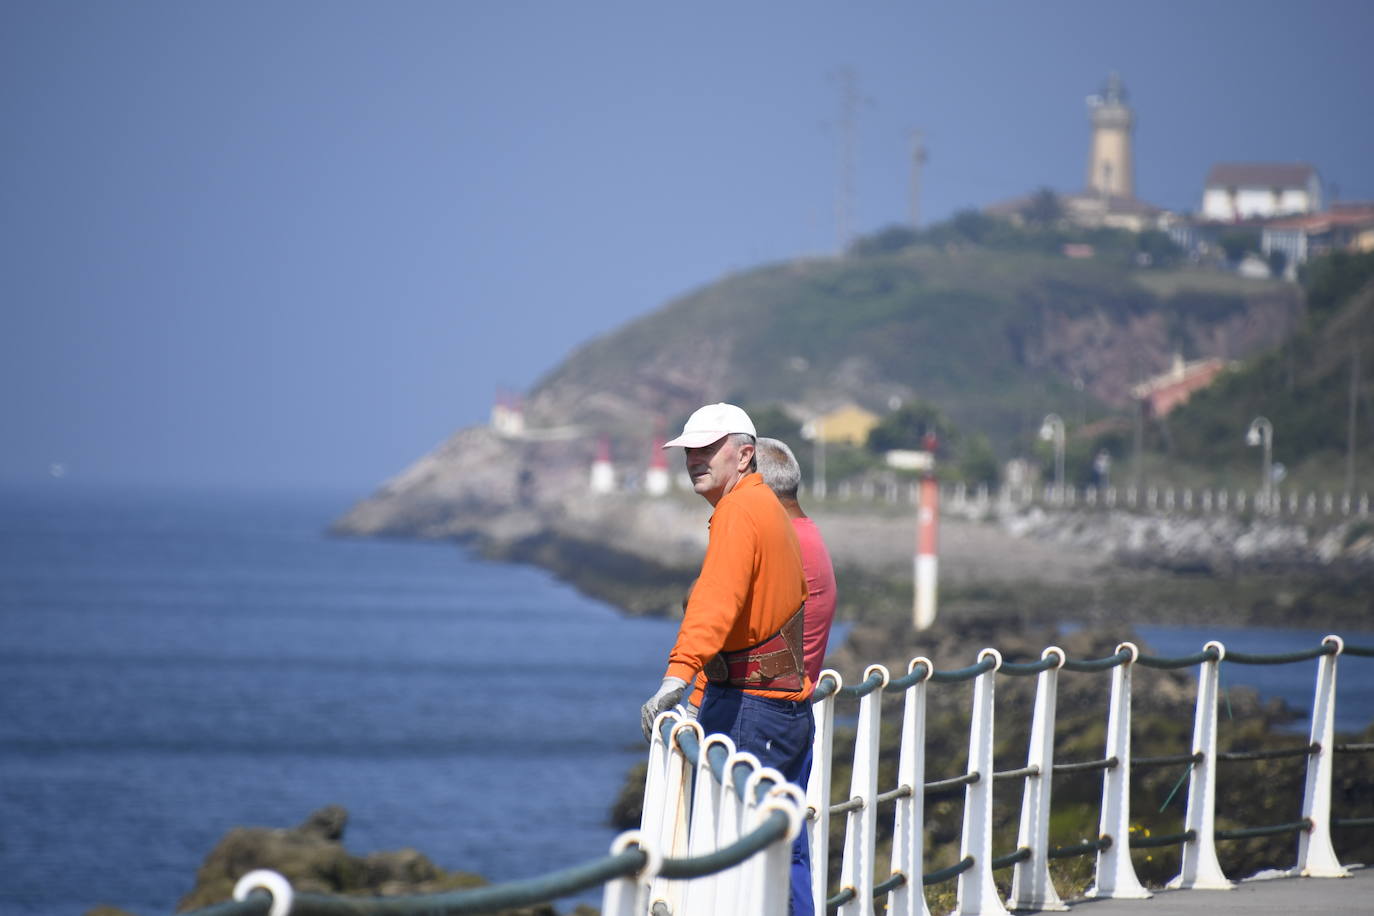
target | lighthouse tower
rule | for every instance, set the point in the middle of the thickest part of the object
(656, 480)
(603, 473)
(1111, 172)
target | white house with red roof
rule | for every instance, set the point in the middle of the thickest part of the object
(1260, 190)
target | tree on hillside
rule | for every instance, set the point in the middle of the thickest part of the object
(893, 238)
(772, 421)
(1237, 243)
(907, 427)
(1158, 249)
(1333, 279)
(1043, 209)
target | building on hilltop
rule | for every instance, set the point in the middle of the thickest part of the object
(1237, 191)
(1108, 197)
(1345, 227)
(508, 414)
(1111, 169)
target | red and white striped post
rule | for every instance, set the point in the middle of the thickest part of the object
(927, 530)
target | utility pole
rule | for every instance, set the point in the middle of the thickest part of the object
(1350, 424)
(918, 160)
(849, 114)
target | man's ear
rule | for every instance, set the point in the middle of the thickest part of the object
(746, 456)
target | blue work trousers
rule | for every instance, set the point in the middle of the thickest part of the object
(779, 733)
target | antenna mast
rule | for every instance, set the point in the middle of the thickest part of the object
(918, 159)
(849, 113)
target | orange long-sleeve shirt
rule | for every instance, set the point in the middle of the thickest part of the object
(751, 582)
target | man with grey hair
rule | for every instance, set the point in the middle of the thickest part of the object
(779, 469)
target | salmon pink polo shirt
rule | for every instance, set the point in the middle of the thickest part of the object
(820, 594)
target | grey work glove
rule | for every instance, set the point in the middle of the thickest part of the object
(669, 695)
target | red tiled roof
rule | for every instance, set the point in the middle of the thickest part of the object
(1349, 215)
(1259, 175)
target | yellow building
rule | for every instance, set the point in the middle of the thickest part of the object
(850, 424)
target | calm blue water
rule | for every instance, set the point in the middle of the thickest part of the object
(175, 666)
(1296, 682)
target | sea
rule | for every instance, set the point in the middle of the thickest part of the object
(177, 663)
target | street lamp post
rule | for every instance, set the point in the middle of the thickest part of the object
(813, 430)
(1261, 432)
(1052, 430)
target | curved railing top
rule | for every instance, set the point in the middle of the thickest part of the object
(921, 669)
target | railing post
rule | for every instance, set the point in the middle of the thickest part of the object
(908, 821)
(861, 835)
(1031, 887)
(977, 891)
(1115, 874)
(1316, 857)
(772, 888)
(629, 896)
(1200, 868)
(759, 874)
(730, 827)
(707, 797)
(655, 782)
(818, 787)
(673, 836)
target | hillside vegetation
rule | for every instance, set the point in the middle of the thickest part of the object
(1303, 387)
(990, 323)
(992, 335)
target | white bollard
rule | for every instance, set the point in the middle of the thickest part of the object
(977, 891)
(1316, 856)
(1200, 868)
(818, 787)
(1031, 887)
(861, 824)
(1116, 876)
(908, 822)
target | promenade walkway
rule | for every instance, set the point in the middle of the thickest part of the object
(1279, 895)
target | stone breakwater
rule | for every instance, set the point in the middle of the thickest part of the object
(529, 502)
(1215, 544)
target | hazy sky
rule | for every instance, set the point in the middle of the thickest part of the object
(299, 244)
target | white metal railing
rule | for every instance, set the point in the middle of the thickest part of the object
(717, 827)
(691, 809)
(1150, 499)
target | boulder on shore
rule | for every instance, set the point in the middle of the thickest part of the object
(313, 859)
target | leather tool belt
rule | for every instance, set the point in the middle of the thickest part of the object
(774, 664)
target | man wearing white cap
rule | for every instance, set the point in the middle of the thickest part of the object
(744, 621)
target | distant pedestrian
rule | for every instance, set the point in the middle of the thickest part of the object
(1102, 469)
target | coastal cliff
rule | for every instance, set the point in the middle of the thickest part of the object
(995, 338)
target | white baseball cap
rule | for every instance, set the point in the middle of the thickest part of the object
(712, 422)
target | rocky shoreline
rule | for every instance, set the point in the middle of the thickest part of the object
(639, 553)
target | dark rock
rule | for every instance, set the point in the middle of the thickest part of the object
(328, 822)
(312, 858)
